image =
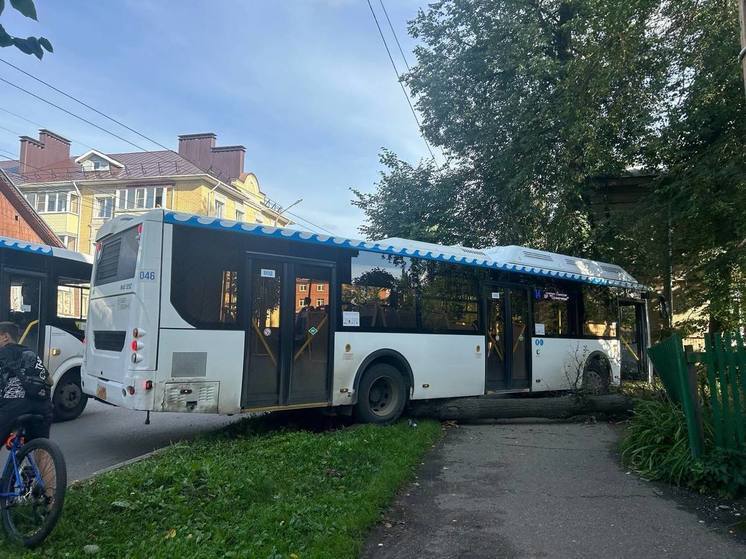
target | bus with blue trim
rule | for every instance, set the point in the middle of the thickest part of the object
(200, 314)
(45, 292)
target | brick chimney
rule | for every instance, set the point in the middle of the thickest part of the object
(225, 162)
(49, 151)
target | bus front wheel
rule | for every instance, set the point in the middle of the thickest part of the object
(382, 395)
(69, 400)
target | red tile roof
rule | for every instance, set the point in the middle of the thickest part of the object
(137, 165)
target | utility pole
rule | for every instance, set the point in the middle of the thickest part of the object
(283, 210)
(742, 54)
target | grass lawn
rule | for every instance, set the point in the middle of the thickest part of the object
(252, 491)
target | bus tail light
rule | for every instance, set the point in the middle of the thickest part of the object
(136, 358)
(148, 385)
(131, 390)
(136, 345)
(138, 332)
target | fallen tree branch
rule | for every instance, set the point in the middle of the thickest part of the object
(500, 407)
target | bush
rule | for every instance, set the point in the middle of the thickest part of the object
(656, 446)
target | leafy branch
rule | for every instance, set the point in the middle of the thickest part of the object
(29, 45)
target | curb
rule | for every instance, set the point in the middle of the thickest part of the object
(122, 464)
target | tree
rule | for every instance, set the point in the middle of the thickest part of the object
(703, 151)
(532, 99)
(29, 45)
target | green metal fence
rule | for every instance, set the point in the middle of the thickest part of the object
(719, 398)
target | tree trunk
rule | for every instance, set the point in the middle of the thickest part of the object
(742, 20)
(492, 407)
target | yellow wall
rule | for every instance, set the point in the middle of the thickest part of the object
(64, 223)
(193, 195)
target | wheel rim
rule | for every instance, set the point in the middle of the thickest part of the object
(28, 513)
(382, 396)
(69, 396)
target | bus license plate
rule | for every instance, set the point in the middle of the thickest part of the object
(101, 392)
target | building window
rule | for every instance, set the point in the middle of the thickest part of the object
(303, 287)
(69, 241)
(51, 202)
(319, 287)
(141, 198)
(104, 207)
(74, 203)
(240, 216)
(219, 208)
(320, 302)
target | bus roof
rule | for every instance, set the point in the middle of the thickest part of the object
(45, 250)
(509, 258)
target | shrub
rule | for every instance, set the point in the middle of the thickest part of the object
(656, 446)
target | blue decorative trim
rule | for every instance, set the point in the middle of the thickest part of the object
(25, 246)
(314, 238)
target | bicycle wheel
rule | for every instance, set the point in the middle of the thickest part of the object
(29, 518)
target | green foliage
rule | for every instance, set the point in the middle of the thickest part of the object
(656, 446)
(536, 100)
(29, 45)
(722, 471)
(251, 492)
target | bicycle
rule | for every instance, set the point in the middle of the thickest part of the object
(32, 486)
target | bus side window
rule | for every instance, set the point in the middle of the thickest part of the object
(72, 300)
(600, 312)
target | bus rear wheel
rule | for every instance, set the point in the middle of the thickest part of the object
(68, 400)
(382, 395)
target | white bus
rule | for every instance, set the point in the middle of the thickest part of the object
(200, 314)
(45, 292)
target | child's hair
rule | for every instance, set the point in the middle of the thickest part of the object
(11, 329)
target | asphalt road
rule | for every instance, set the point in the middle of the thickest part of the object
(106, 435)
(544, 490)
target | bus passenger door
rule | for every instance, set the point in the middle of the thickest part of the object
(507, 339)
(310, 356)
(23, 295)
(289, 338)
(632, 337)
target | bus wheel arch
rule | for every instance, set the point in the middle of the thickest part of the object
(383, 385)
(597, 373)
(68, 398)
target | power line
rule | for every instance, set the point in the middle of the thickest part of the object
(398, 78)
(312, 224)
(42, 126)
(86, 105)
(71, 113)
(14, 132)
(109, 118)
(396, 38)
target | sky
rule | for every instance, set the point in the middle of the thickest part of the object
(305, 85)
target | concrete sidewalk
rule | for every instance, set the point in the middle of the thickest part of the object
(539, 490)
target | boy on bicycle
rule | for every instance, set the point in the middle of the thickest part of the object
(25, 386)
